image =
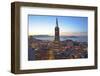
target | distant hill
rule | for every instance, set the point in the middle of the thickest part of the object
(70, 36)
(41, 36)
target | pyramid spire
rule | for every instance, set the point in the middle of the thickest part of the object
(56, 22)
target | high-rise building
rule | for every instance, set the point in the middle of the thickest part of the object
(56, 43)
(57, 38)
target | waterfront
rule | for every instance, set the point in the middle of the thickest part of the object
(62, 38)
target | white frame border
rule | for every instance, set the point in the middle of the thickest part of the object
(25, 64)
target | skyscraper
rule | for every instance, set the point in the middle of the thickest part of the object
(57, 38)
(56, 43)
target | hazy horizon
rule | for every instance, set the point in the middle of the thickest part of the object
(54, 35)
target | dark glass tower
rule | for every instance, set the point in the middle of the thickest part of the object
(57, 38)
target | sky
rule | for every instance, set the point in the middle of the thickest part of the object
(69, 25)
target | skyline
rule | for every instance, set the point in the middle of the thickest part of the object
(69, 26)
